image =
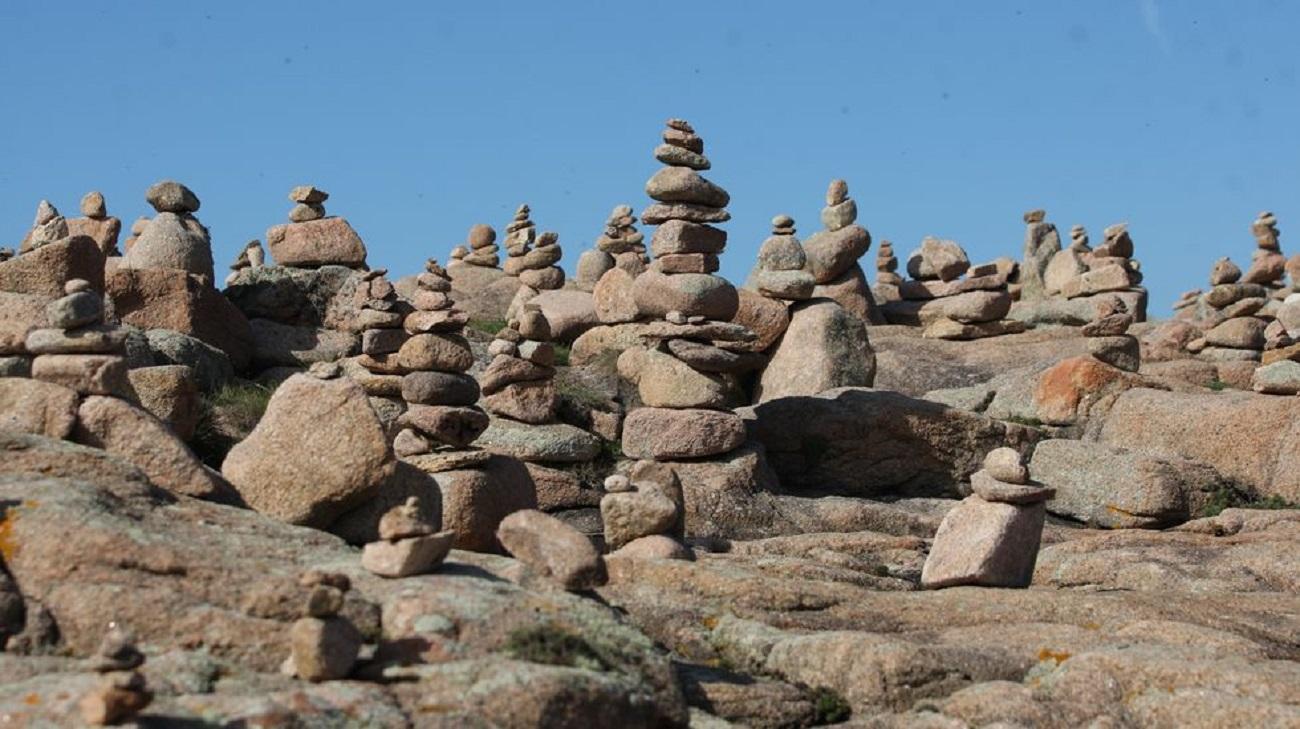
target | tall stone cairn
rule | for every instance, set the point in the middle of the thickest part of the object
(1041, 243)
(1267, 264)
(520, 235)
(621, 246)
(442, 419)
(1107, 335)
(887, 265)
(518, 383)
(683, 374)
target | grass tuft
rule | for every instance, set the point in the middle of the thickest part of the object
(226, 417)
(553, 645)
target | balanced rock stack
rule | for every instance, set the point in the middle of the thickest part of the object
(1068, 264)
(324, 645)
(122, 692)
(174, 239)
(780, 272)
(380, 316)
(77, 351)
(97, 224)
(480, 250)
(1267, 264)
(887, 278)
(1108, 339)
(832, 256)
(441, 418)
(1042, 243)
(519, 381)
(644, 516)
(1111, 270)
(1231, 315)
(621, 246)
(48, 227)
(947, 305)
(408, 543)
(991, 538)
(252, 256)
(311, 239)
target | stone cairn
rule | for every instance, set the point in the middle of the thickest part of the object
(779, 272)
(97, 224)
(122, 692)
(518, 383)
(1267, 264)
(1108, 339)
(48, 227)
(1068, 264)
(480, 249)
(620, 246)
(887, 267)
(408, 543)
(441, 419)
(682, 374)
(137, 228)
(991, 538)
(1232, 316)
(832, 256)
(77, 350)
(324, 645)
(311, 239)
(379, 318)
(947, 305)
(252, 256)
(1110, 271)
(532, 259)
(643, 514)
(174, 239)
(1042, 243)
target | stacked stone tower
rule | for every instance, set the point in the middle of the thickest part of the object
(620, 246)
(779, 273)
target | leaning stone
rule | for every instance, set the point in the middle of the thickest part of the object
(169, 393)
(552, 548)
(986, 544)
(1122, 351)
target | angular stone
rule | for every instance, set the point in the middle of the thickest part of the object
(552, 548)
(445, 321)
(284, 345)
(45, 270)
(1113, 277)
(318, 451)
(1124, 351)
(680, 236)
(179, 301)
(986, 544)
(329, 241)
(532, 401)
(453, 426)
(40, 408)
(823, 348)
(87, 374)
(663, 434)
(171, 394)
(415, 555)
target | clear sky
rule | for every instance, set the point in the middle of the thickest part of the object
(420, 119)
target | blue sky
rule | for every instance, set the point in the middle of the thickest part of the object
(420, 119)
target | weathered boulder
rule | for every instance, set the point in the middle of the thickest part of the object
(474, 501)
(552, 548)
(44, 270)
(284, 345)
(318, 451)
(824, 347)
(40, 408)
(151, 298)
(327, 241)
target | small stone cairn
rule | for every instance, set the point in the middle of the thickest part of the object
(48, 227)
(1068, 264)
(887, 268)
(122, 692)
(441, 419)
(1231, 315)
(252, 256)
(324, 645)
(1111, 270)
(1267, 264)
(518, 383)
(174, 239)
(991, 538)
(1108, 339)
(621, 246)
(77, 350)
(97, 224)
(1042, 243)
(408, 543)
(832, 256)
(312, 239)
(380, 315)
(685, 373)
(638, 513)
(947, 305)
(480, 249)
(779, 273)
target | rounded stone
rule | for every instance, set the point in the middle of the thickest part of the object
(694, 294)
(1005, 464)
(169, 196)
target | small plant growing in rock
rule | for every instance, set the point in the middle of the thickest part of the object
(554, 646)
(227, 417)
(487, 326)
(829, 707)
(1217, 385)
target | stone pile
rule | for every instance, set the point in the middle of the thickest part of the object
(780, 271)
(480, 250)
(1042, 243)
(122, 692)
(380, 316)
(1108, 339)
(1068, 264)
(1231, 316)
(887, 269)
(311, 239)
(518, 383)
(644, 517)
(324, 645)
(831, 256)
(532, 260)
(520, 235)
(77, 350)
(441, 419)
(947, 305)
(252, 256)
(621, 246)
(1111, 270)
(408, 544)
(991, 538)
(174, 239)
(685, 375)
(97, 224)
(48, 227)
(1267, 264)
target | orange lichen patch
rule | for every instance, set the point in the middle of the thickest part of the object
(1047, 654)
(31, 699)
(1067, 390)
(8, 542)
(710, 622)
(1090, 625)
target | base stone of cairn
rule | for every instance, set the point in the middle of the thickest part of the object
(479, 286)
(947, 305)
(1108, 339)
(165, 279)
(97, 224)
(311, 239)
(324, 645)
(122, 692)
(620, 246)
(991, 538)
(832, 256)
